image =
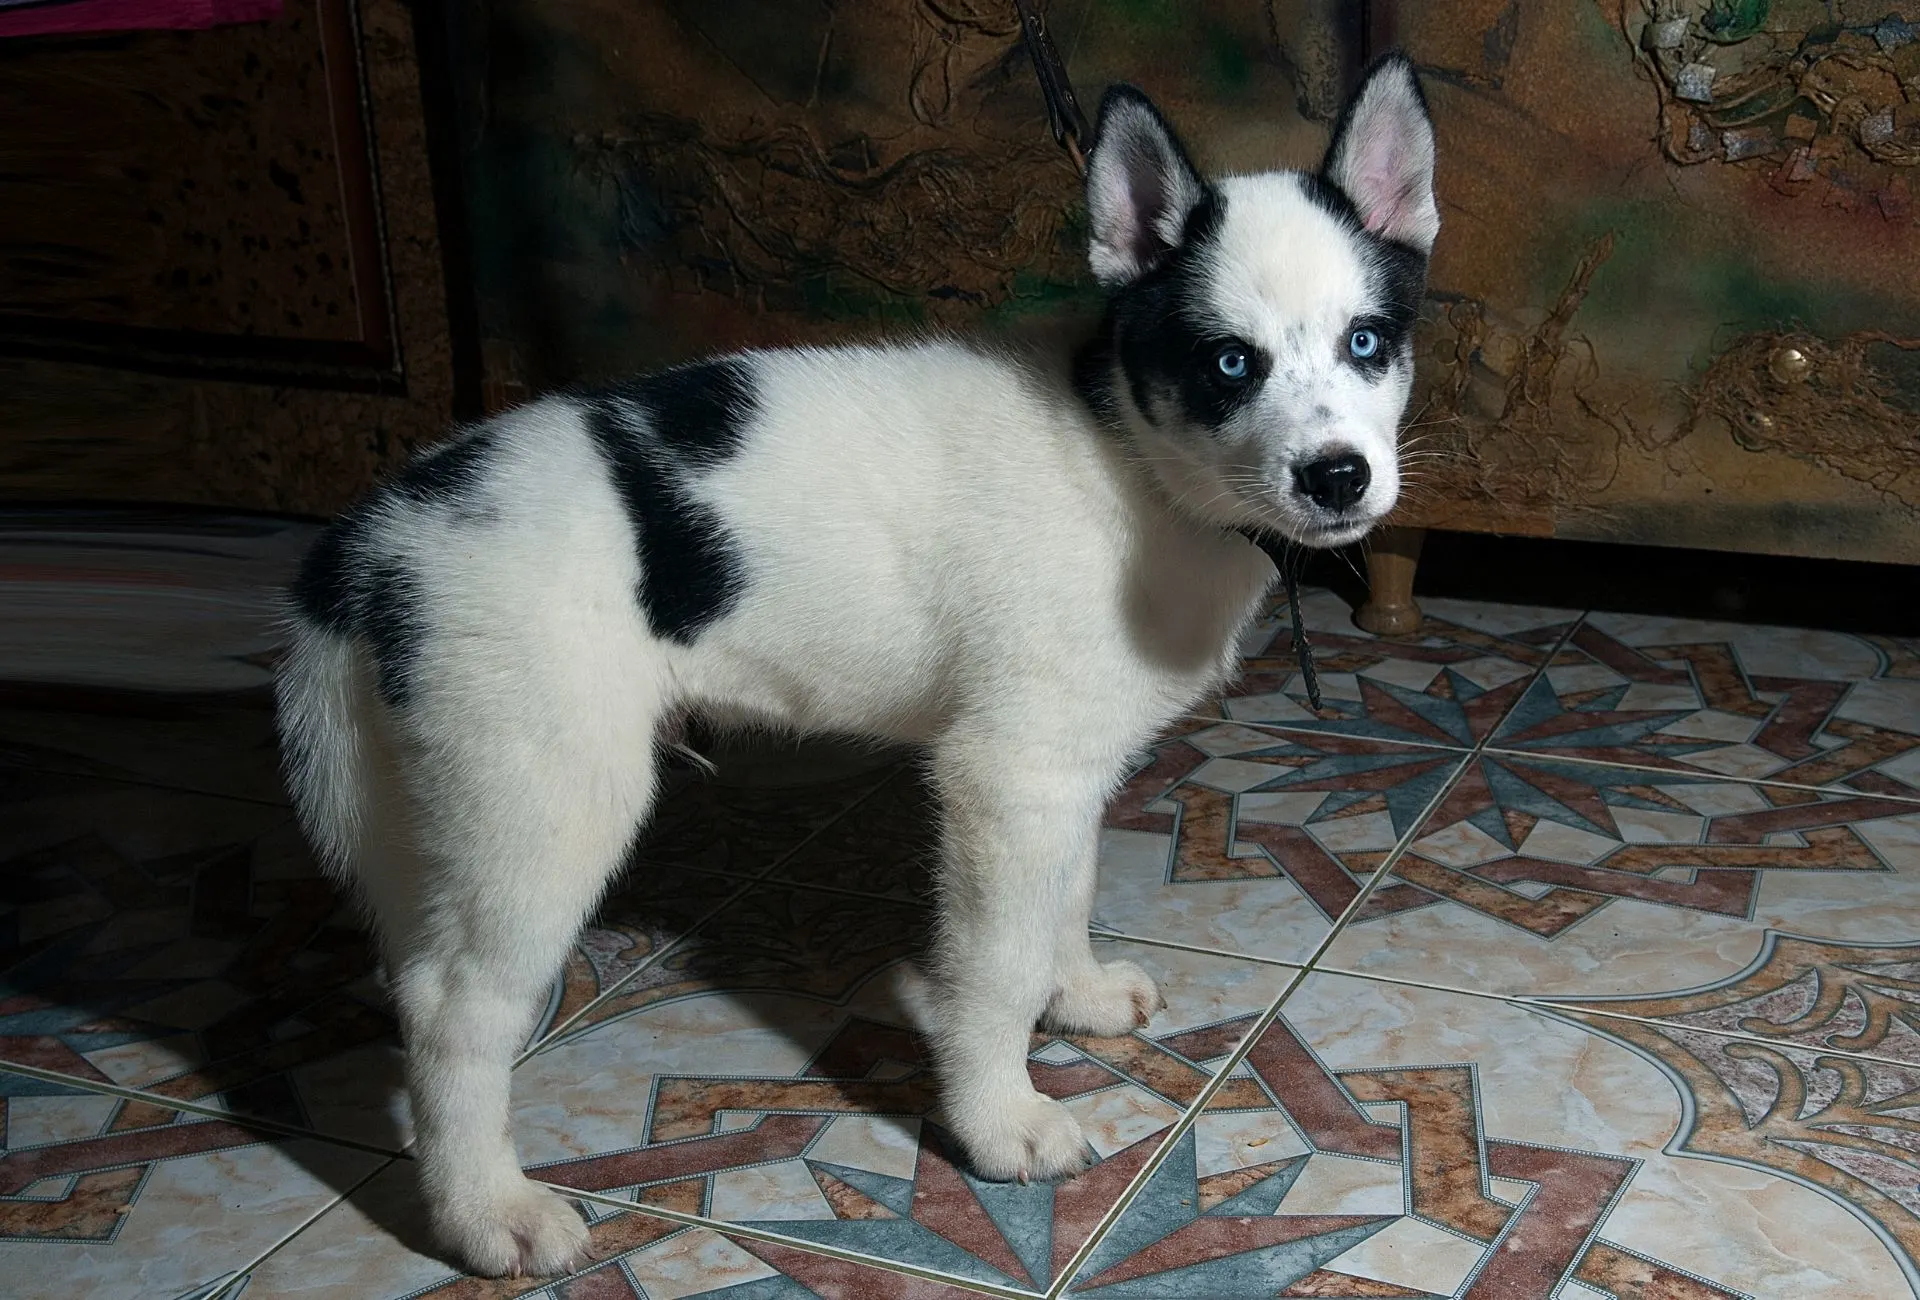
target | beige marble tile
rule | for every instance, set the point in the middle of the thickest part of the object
(842, 1118)
(1255, 850)
(156, 1208)
(1556, 1088)
(1426, 1139)
(1410, 1253)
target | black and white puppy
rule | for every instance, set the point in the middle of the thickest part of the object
(1025, 561)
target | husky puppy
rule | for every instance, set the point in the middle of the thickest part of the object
(1026, 562)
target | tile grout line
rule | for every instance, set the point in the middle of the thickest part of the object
(1468, 758)
(1295, 729)
(1175, 1133)
(725, 1227)
(151, 783)
(1539, 675)
(1240, 1052)
(1387, 864)
(1192, 1114)
(891, 775)
(341, 1199)
(1175, 945)
(237, 1118)
(1701, 773)
(746, 884)
(1572, 1010)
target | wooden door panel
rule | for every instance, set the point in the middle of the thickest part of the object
(223, 277)
(201, 200)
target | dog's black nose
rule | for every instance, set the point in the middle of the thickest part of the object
(1334, 483)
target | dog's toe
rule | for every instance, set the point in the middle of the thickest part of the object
(525, 1231)
(1030, 1139)
(1104, 1002)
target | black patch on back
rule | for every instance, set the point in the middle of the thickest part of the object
(349, 586)
(323, 590)
(394, 626)
(700, 411)
(348, 591)
(446, 475)
(656, 433)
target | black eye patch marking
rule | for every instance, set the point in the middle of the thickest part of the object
(1168, 356)
(1372, 344)
(1222, 377)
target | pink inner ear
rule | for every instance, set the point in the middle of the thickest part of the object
(1379, 184)
(1385, 205)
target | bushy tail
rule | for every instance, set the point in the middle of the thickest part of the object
(327, 741)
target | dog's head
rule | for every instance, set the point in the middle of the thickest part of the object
(1258, 337)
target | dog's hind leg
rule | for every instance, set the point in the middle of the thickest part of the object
(526, 798)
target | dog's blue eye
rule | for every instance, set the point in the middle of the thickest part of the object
(1363, 343)
(1233, 363)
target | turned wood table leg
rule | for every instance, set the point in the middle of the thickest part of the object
(1392, 557)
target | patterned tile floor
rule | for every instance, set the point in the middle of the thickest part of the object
(1556, 955)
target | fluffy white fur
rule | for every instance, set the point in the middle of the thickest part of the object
(940, 543)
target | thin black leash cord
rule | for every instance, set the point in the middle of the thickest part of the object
(1070, 132)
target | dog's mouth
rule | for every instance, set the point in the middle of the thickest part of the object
(1316, 530)
(1325, 537)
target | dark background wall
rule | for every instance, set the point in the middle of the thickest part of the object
(652, 181)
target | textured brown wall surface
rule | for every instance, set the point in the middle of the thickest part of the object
(660, 179)
(1670, 320)
(1652, 319)
(211, 292)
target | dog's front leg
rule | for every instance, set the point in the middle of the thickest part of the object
(1020, 834)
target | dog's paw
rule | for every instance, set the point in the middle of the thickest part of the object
(1104, 1001)
(524, 1230)
(1028, 1139)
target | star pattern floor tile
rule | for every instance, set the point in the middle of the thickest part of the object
(1387, 1140)
(1547, 877)
(1612, 990)
(786, 1090)
(1254, 841)
(1795, 707)
(1450, 684)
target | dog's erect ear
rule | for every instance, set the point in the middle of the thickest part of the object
(1382, 154)
(1140, 188)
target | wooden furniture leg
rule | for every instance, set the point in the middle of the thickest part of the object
(1393, 556)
